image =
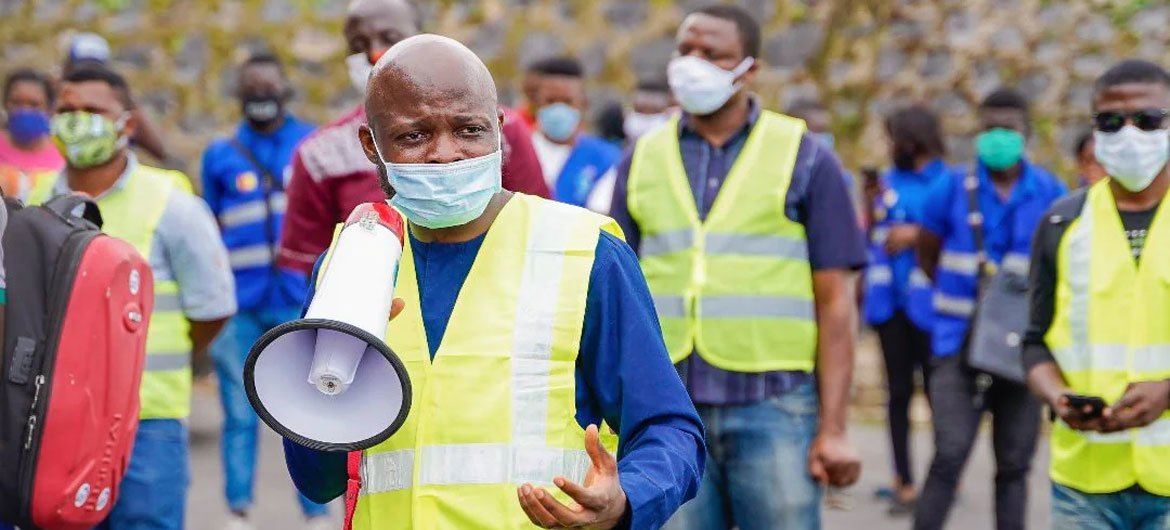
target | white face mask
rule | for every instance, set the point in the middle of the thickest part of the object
(635, 124)
(702, 87)
(1131, 156)
(444, 195)
(359, 70)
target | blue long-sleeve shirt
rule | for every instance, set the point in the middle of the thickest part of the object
(624, 376)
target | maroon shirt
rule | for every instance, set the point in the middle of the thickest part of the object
(331, 175)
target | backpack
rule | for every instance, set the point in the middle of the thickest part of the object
(74, 343)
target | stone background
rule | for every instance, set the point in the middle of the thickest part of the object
(861, 56)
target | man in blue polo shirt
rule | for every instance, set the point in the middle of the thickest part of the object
(243, 182)
(1012, 195)
(897, 292)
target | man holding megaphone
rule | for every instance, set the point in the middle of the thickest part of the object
(525, 327)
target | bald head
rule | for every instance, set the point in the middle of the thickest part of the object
(373, 26)
(430, 100)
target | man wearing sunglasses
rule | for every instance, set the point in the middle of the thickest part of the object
(1001, 198)
(1098, 342)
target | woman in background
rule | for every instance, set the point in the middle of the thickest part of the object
(26, 152)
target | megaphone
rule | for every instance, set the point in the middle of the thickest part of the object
(328, 381)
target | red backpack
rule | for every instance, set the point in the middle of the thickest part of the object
(74, 342)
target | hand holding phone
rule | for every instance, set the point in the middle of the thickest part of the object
(1085, 407)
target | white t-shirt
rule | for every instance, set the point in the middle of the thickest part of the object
(552, 158)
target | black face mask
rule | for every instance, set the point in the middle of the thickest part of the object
(262, 110)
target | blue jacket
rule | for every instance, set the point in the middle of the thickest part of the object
(895, 283)
(591, 158)
(235, 190)
(1007, 226)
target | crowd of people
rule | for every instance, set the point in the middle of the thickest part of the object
(702, 230)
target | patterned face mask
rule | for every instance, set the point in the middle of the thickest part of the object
(87, 139)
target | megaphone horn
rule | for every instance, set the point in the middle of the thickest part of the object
(328, 381)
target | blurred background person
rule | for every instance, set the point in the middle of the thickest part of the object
(91, 49)
(26, 150)
(573, 161)
(650, 107)
(243, 183)
(330, 172)
(529, 86)
(819, 122)
(1011, 194)
(1089, 171)
(897, 292)
(610, 124)
(748, 242)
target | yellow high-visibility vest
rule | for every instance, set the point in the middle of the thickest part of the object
(737, 286)
(1111, 327)
(132, 213)
(496, 408)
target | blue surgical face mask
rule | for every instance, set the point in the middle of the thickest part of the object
(444, 195)
(26, 126)
(558, 121)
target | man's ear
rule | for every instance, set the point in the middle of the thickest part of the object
(366, 137)
(130, 127)
(500, 120)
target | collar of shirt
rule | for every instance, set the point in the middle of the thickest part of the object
(61, 187)
(248, 134)
(1024, 189)
(686, 131)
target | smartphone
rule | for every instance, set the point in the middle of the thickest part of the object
(1094, 405)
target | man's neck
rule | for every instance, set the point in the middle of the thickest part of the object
(921, 162)
(719, 127)
(270, 128)
(465, 232)
(1005, 180)
(570, 141)
(94, 181)
(1140, 201)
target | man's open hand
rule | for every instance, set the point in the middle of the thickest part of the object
(599, 504)
(1142, 403)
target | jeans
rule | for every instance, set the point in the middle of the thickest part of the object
(906, 350)
(757, 467)
(1131, 509)
(240, 425)
(153, 493)
(1015, 426)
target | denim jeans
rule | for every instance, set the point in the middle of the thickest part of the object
(153, 493)
(1131, 509)
(757, 467)
(240, 424)
(1015, 425)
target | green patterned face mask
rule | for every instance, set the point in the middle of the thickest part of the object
(87, 139)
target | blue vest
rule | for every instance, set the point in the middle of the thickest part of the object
(590, 159)
(896, 283)
(1008, 229)
(237, 192)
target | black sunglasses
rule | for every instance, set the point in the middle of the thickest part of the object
(1145, 119)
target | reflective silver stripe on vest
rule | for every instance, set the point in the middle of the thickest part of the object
(537, 303)
(250, 256)
(962, 263)
(253, 211)
(918, 278)
(388, 471)
(1154, 434)
(879, 275)
(1080, 251)
(1016, 263)
(667, 242)
(950, 305)
(499, 464)
(670, 306)
(167, 361)
(1111, 357)
(756, 307)
(1153, 358)
(757, 245)
(167, 302)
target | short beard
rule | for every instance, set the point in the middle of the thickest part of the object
(384, 182)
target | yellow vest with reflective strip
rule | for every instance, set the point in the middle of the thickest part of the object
(132, 213)
(1111, 327)
(736, 287)
(496, 408)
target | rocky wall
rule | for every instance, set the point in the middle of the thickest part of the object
(861, 57)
